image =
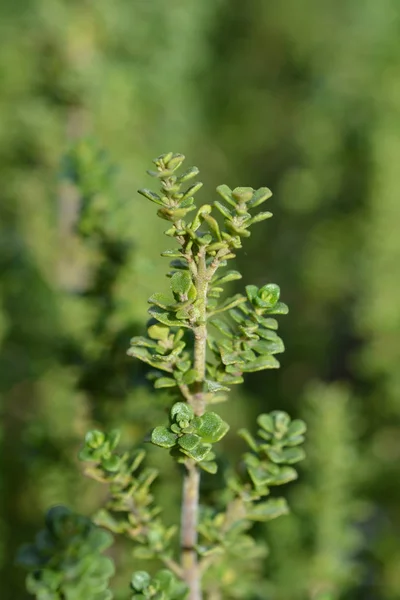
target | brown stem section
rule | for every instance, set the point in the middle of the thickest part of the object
(191, 483)
(190, 507)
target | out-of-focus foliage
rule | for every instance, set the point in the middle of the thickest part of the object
(66, 561)
(302, 95)
(320, 544)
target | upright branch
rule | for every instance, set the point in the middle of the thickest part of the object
(198, 343)
(201, 365)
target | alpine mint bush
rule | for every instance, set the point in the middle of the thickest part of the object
(198, 344)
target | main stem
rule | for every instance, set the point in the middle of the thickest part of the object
(191, 482)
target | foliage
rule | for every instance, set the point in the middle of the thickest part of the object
(199, 364)
(66, 561)
(301, 95)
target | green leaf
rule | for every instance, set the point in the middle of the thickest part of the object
(209, 466)
(189, 174)
(158, 332)
(263, 362)
(190, 376)
(192, 190)
(199, 452)
(113, 438)
(142, 341)
(213, 225)
(136, 459)
(181, 411)
(223, 210)
(166, 318)
(192, 293)
(223, 327)
(174, 161)
(266, 511)
(266, 422)
(164, 382)
(111, 463)
(229, 357)
(228, 276)
(262, 216)
(140, 580)
(161, 300)
(251, 291)
(189, 441)
(226, 193)
(269, 323)
(151, 196)
(286, 455)
(268, 334)
(296, 428)
(154, 361)
(214, 386)
(281, 420)
(95, 438)
(284, 475)
(269, 346)
(243, 194)
(172, 253)
(246, 435)
(237, 315)
(210, 427)
(162, 436)
(260, 196)
(279, 309)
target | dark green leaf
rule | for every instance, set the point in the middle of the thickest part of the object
(140, 580)
(162, 436)
(167, 318)
(189, 441)
(210, 427)
(198, 453)
(181, 411)
(214, 386)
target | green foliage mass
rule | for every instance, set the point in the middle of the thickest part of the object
(66, 560)
(303, 95)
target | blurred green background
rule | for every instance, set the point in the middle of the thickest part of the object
(300, 95)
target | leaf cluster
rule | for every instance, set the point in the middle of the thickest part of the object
(225, 534)
(275, 450)
(191, 436)
(246, 339)
(130, 509)
(66, 561)
(162, 586)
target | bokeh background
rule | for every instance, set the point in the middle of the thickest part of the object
(299, 95)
